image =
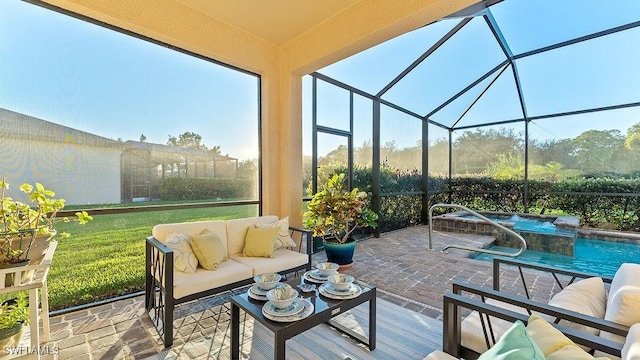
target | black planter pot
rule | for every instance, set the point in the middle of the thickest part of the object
(341, 254)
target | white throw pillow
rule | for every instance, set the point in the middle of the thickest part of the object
(623, 304)
(283, 239)
(587, 297)
(631, 348)
(183, 257)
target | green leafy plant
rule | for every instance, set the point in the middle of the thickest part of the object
(14, 312)
(21, 222)
(335, 211)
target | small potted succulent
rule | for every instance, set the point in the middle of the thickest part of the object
(24, 226)
(334, 213)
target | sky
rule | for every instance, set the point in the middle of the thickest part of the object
(81, 75)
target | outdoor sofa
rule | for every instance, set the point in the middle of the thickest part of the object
(167, 287)
(613, 331)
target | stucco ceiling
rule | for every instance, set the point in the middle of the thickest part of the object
(277, 21)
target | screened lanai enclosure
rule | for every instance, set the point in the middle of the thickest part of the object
(513, 105)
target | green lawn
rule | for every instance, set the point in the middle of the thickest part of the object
(105, 257)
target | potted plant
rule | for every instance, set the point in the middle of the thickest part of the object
(334, 213)
(26, 230)
(14, 317)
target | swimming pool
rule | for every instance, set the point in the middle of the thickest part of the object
(591, 255)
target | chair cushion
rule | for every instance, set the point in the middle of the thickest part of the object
(237, 231)
(284, 238)
(209, 249)
(183, 257)
(587, 297)
(218, 227)
(283, 259)
(439, 355)
(259, 242)
(472, 333)
(515, 344)
(553, 343)
(227, 272)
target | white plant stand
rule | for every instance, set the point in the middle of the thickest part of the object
(32, 278)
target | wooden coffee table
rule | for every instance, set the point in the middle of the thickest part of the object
(325, 309)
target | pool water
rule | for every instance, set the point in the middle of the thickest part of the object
(593, 256)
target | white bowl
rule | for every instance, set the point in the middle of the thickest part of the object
(282, 297)
(327, 268)
(340, 281)
(267, 281)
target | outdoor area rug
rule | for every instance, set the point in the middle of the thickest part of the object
(401, 334)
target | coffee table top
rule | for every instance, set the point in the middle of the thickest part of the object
(322, 304)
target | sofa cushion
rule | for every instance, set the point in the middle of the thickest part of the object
(218, 227)
(472, 333)
(587, 297)
(183, 257)
(515, 344)
(623, 304)
(237, 231)
(209, 249)
(439, 355)
(553, 343)
(631, 348)
(283, 259)
(283, 239)
(227, 272)
(260, 242)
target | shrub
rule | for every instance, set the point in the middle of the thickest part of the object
(174, 189)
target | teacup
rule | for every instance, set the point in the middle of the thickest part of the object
(340, 282)
(282, 297)
(267, 281)
(327, 268)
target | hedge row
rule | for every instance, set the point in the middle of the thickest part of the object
(606, 203)
(173, 189)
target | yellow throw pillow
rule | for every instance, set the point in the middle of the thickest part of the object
(283, 239)
(259, 242)
(209, 249)
(553, 343)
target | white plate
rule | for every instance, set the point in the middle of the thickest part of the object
(296, 307)
(323, 291)
(352, 289)
(306, 311)
(255, 296)
(256, 290)
(315, 279)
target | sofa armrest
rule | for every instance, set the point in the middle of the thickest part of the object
(306, 238)
(452, 326)
(159, 301)
(569, 276)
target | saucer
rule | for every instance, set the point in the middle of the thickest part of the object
(255, 296)
(352, 289)
(315, 276)
(256, 290)
(307, 310)
(295, 307)
(344, 296)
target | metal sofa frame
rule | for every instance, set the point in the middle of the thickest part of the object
(159, 299)
(466, 297)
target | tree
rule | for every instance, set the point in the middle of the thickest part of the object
(187, 139)
(598, 150)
